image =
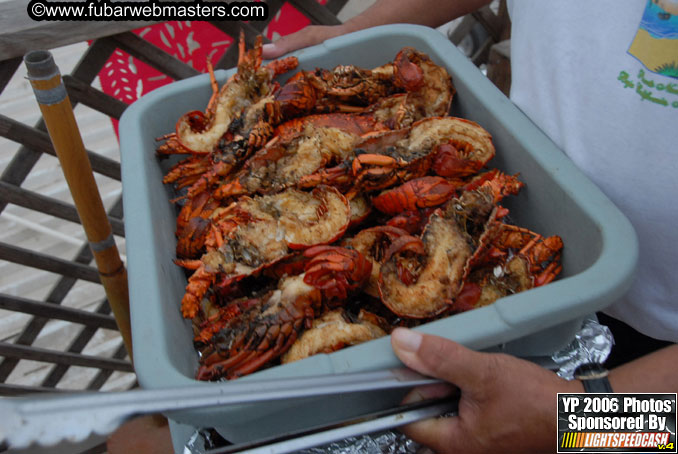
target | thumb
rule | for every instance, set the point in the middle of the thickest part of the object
(441, 358)
(305, 37)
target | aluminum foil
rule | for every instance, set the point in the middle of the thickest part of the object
(388, 442)
(592, 344)
(204, 440)
(195, 444)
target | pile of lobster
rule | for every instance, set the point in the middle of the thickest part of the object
(324, 212)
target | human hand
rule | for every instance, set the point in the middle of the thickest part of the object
(506, 405)
(308, 36)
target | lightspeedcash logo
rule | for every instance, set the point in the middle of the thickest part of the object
(151, 10)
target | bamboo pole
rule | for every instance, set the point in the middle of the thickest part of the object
(57, 112)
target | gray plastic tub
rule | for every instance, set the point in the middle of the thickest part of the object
(598, 260)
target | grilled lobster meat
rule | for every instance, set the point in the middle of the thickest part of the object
(268, 326)
(324, 212)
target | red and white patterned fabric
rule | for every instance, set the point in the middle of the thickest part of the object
(127, 79)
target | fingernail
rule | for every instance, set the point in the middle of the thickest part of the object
(268, 47)
(407, 339)
(413, 396)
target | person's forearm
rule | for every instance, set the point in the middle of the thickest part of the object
(423, 12)
(652, 373)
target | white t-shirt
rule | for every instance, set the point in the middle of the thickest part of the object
(601, 79)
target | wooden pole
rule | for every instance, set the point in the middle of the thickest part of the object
(57, 112)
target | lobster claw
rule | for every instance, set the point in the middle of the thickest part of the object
(408, 74)
(336, 270)
(510, 259)
(421, 192)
